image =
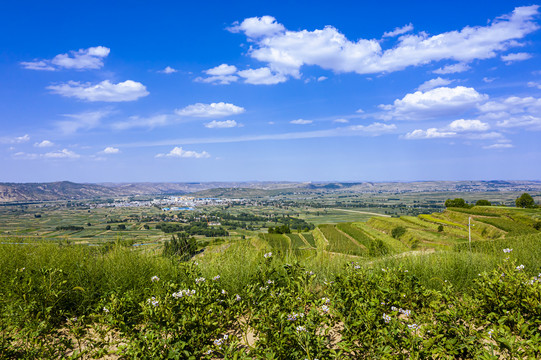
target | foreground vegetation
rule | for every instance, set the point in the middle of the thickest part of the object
(241, 300)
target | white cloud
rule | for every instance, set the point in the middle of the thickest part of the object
(44, 143)
(488, 80)
(61, 154)
(221, 124)
(104, 91)
(148, 122)
(399, 31)
(257, 27)
(110, 150)
(220, 109)
(341, 121)
(14, 140)
(82, 59)
(301, 122)
(468, 125)
(262, 76)
(82, 121)
(498, 146)
(181, 153)
(168, 70)
(223, 74)
(286, 52)
(434, 103)
(431, 133)
(222, 69)
(510, 58)
(322, 78)
(534, 84)
(375, 128)
(434, 83)
(513, 112)
(452, 69)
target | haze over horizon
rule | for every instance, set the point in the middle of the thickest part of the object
(247, 91)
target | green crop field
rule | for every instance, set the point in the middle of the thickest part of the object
(338, 242)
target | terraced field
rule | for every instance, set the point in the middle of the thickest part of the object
(340, 242)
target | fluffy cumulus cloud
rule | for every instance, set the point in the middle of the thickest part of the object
(168, 70)
(220, 109)
(44, 143)
(434, 83)
(399, 30)
(222, 74)
(434, 103)
(110, 150)
(83, 59)
(179, 152)
(301, 122)
(262, 76)
(256, 27)
(468, 125)
(104, 91)
(214, 124)
(285, 52)
(510, 58)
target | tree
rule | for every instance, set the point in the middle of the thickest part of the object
(482, 203)
(458, 203)
(121, 227)
(525, 201)
(108, 227)
(398, 231)
(440, 228)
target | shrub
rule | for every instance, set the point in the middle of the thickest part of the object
(398, 231)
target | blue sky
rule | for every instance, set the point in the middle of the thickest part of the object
(242, 91)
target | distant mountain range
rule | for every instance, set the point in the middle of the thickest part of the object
(65, 190)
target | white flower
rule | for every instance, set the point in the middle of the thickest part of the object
(224, 292)
(300, 328)
(520, 267)
(413, 326)
(507, 250)
(386, 318)
(105, 310)
(326, 300)
(237, 297)
(183, 293)
(325, 308)
(154, 278)
(267, 255)
(217, 277)
(198, 280)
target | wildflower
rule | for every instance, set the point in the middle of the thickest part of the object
(267, 255)
(520, 267)
(218, 342)
(310, 273)
(237, 297)
(196, 263)
(224, 292)
(216, 278)
(208, 352)
(326, 300)
(507, 251)
(356, 267)
(413, 326)
(270, 282)
(153, 301)
(383, 270)
(386, 318)
(198, 280)
(490, 333)
(325, 308)
(405, 312)
(393, 308)
(300, 328)
(105, 310)
(154, 279)
(183, 293)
